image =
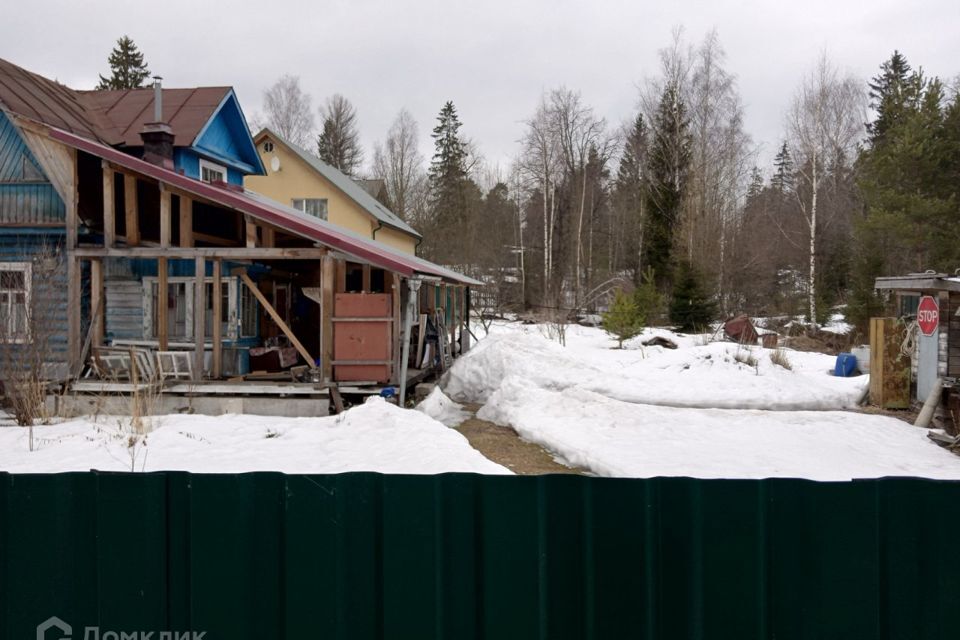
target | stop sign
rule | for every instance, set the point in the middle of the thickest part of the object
(928, 315)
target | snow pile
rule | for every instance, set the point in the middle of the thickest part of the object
(715, 375)
(376, 436)
(615, 438)
(442, 409)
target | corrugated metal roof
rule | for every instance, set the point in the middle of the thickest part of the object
(274, 213)
(125, 112)
(37, 98)
(345, 183)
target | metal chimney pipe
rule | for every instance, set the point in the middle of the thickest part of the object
(157, 99)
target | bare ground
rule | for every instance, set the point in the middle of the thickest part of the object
(504, 446)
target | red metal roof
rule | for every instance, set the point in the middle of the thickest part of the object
(276, 214)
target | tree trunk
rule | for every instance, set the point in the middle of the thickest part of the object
(813, 245)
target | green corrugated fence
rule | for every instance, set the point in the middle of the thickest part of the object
(362, 555)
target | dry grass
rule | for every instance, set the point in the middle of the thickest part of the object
(780, 358)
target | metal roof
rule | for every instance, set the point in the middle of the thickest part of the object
(919, 281)
(125, 112)
(344, 183)
(273, 213)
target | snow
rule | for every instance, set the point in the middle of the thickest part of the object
(695, 411)
(614, 438)
(442, 409)
(375, 436)
(694, 375)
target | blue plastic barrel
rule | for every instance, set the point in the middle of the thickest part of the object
(846, 365)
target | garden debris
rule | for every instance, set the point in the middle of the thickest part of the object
(660, 341)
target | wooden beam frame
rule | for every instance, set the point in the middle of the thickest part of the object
(217, 338)
(328, 289)
(96, 302)
(186, 221)
(73, 271)
(130, 212)
(161, 306)
(165, 221)
(109, 206)
(199, 324)
(275, 316)
(190, 253)
(250, 227)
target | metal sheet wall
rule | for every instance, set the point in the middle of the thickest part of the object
(462, 556)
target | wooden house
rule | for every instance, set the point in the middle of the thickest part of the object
(298, 178)
(174, 274)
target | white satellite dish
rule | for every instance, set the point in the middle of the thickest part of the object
(275, 164)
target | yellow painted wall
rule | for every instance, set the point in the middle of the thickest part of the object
(296, 179)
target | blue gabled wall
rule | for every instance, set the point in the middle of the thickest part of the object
(26, 195)
(225, 140)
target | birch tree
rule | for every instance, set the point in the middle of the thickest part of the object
(399, 162)
(824, 125)
(288, 111)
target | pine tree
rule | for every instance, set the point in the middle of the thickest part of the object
(648, 300)
(339, 142)
(127, 68)
(669, 168)
(755, 188)
(622, 320)
(691, 309)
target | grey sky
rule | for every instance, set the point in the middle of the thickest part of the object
(492, 58)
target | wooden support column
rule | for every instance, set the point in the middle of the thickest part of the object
(186, 221)
(165, 226)
(73, 273)
(341, 277)
(130, 209)
(96, 302)
(217, 338)
(109, 207)
(397, 321)
(161, 310)
(251, 232)
(328, 287)
(269, 236)
(199, 323)
(366, 278)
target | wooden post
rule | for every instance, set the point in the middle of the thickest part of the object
(73, 273)
(130, 210)
(199, 308)
(217, 338)
(366, 278)
(186, 221)
(251, 232)
(96, 302)
(341, 278)
(161, 310)
(269, 236)
(165, 227)
(109, 207)
(397, 313)
(328, 287)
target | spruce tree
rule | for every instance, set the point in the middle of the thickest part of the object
(691, 309)
(450, 189)
(893, 93)
(629, 197)
(127, 67)
(669, 168)
(782, 180)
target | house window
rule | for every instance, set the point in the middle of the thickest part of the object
(248, 313)
(314, 206)
(15, 278)
(212, 172)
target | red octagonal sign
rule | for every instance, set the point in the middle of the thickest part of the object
(928, 315)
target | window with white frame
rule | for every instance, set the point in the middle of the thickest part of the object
(314, 206)
(212, 172)
(235, 308)
(15, 281)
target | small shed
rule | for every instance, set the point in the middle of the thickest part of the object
(938, 355)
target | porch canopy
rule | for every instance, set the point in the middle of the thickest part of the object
(273, 213)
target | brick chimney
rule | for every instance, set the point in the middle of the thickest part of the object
(157, 136)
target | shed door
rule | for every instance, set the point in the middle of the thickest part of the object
(928, 351)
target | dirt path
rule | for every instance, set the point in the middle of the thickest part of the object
(504, 446)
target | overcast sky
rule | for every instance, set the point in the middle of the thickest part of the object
(492, 58)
